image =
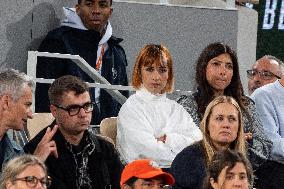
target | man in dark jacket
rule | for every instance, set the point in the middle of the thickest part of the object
(84, 160)
(85, 31)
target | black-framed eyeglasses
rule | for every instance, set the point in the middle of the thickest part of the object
(265, 75)
(75, 108)
(32, 181)
(149, 184)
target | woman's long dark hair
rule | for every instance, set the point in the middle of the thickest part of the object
(205, 93)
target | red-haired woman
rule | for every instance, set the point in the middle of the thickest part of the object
(149, 124)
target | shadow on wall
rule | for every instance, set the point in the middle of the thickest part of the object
(27, 34)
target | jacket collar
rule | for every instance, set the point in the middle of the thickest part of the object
(147, 96)
(11, 148)
(71, 19)
(107, 34)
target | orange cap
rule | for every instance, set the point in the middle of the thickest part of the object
(145, 169)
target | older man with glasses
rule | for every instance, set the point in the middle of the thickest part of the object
(266, 70)
(269, 102)
(84, 159)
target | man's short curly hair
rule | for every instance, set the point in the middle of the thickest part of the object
(79, 2)
(66, 84)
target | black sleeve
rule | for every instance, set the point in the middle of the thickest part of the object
(188, 169)
(117, 170)
(125, 79)
(113, 162)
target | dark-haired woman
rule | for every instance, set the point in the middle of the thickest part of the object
(217, 73)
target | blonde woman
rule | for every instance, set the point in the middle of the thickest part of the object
(151, 126)
(222, 129)
(25, 172)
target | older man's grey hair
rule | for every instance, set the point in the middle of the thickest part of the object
(280, 62)
(13, 82)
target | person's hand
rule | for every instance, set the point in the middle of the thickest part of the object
(221, 178)
(162, 138)
(248, 136)
(47, 146)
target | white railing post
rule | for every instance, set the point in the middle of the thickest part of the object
(31, 69)
(31, 63)
(81, 63)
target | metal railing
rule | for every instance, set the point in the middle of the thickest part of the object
(81, 63)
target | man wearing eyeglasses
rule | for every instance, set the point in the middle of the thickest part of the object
(266, 70)
(269, 101)
(85, 161)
